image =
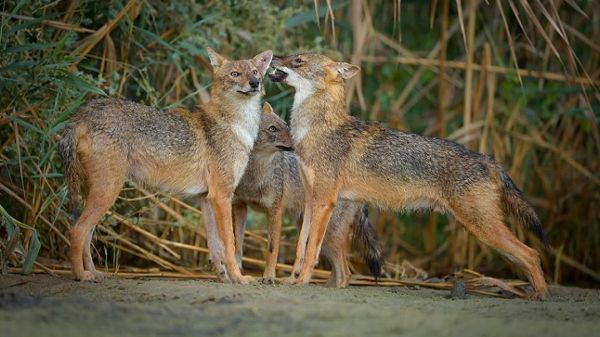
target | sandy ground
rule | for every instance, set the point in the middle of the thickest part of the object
(42, 305)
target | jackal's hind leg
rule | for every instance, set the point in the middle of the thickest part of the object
(485, 222)
(334, 248)
(104, 174)
(88, 261)
(98, 201)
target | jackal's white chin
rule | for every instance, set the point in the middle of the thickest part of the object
(294, 80)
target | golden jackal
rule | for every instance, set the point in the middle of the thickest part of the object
(175, 151)
(342, 156)
(271, 183)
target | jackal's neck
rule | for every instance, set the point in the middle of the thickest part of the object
(242, 114)
(318, 108)
(242, 107)
(261, 162)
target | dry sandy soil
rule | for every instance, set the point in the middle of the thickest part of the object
(42, 305)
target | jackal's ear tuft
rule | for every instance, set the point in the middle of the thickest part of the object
(216, 60)
(267, 108)
(262, 61)
(346, 70)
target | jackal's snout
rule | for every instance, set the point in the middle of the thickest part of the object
(308, 70)
(276, 74)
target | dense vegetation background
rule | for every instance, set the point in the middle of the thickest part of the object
(515, 79)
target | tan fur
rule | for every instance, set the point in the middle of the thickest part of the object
(343, 156)
(271, 184)
(176, 151)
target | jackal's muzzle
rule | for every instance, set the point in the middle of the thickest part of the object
(285, 148)
(278, 75)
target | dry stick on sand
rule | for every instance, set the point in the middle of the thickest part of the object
(473, 286)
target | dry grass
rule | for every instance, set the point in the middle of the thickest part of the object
(515, 79)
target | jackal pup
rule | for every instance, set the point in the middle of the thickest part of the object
(342, 156)
(271, 183)
(175, 151)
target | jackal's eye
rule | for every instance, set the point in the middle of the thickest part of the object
(254, 72)
(234, 74)
(272, 129)
(298, 62)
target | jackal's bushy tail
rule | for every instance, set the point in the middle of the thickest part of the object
(365, 239)
(514, 204)
(67, 151)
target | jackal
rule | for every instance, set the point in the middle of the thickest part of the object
(342, 156)
(176, 151)
(271, 183)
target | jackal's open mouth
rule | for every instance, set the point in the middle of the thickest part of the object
(285, 148)
(277, 75)
(249, 92)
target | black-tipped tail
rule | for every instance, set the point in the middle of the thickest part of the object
(514, 204)
(365, 239)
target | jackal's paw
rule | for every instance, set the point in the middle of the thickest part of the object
(537, 295)
(98, 276)
(290, 280)
(336, 283)
(222, 275)
(268, 280)
(88, 276)
(243, 279)
(302, 281)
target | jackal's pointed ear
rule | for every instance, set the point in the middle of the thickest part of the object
(262, 61)
(346, 70)
(216, 60)
(267, 108)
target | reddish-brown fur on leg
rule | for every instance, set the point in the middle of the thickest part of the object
(215, 245)
(478, 211)
(274, 228)
(220, 197)
(367, 162)
(109, 140)
(334, 248)
(104, 177)
(320, 215)
(88, 261)
(302, 240)
(272, 184)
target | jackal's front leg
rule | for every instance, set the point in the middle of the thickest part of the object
(322, 207)
(300, 245)
(215, 244)
(220, 197)
(274, 227)
(306, 179)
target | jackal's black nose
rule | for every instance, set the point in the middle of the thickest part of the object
(254, 83)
